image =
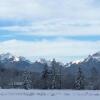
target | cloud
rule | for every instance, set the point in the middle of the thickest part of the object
(57, 27)
(60, 48)
(48, 8)
(50, 17)
(19, 9)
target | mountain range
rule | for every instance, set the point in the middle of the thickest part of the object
(87, 65)
(21, 63)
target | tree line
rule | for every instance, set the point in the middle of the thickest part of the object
(54, 77)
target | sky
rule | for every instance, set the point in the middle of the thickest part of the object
(63, 29)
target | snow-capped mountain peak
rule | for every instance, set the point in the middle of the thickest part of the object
(95, 56)
(16, 59)
(77, 62)
(74, 62)
(9, 56)
(6, 55)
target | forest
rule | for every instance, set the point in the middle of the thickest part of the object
(55, 76)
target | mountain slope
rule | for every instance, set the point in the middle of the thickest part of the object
(92, 61)
(19, 63)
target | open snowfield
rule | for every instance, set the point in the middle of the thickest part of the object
(13, 94)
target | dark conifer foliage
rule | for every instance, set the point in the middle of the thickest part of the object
(24, 74)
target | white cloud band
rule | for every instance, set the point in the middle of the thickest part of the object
(57, 49)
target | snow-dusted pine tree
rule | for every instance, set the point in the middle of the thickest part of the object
(79, 82)
(53, 74)
(27, 80)
(45, 76)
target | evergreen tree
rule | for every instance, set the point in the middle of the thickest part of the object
(45, 77)
(60, 76)
(79, 82)
(53, 74)
(27, 80)
(94, 74)
(94, 78)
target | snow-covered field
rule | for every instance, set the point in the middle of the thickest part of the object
(13, 94)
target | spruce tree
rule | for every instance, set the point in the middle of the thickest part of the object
(94, 79)
(53, 74)
(45, 77)
(79, 82)
(94, 74)
(27, 80)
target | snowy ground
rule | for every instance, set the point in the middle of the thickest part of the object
(13, 94)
